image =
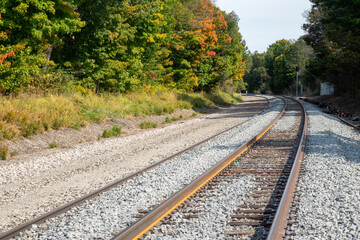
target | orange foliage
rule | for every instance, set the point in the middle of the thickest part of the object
(210, 25)
(204, 24)
(211, 53)
(6, 55)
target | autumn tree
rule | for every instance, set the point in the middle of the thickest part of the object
(204, 54)
(123, 45)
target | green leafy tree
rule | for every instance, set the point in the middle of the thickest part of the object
(274, 51)
(28, 30)
(333, 32)
(257, 78)
(281, 59)
(123, 45)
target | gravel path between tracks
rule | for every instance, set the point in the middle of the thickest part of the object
(37, 184)
(213, 221)
(112, 211)
(329, 190)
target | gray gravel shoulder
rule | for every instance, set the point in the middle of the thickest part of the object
(113, 211)
(330, 189)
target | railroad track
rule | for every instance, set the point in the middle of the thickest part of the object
(62, 209)
(349, 123)
(271, 160)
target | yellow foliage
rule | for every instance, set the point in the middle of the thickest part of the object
(150, 39)
(22, 8)
(160, 36)
(159, 16)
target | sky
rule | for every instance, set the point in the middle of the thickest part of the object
(263, 22)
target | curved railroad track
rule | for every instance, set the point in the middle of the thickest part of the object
(271, 159)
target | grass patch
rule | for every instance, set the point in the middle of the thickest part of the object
(113, 132)
(167, 120)
(13, 154)
(172, 119)
(52, 145)
(146, 125)
(3, 152)
(27, 115)
(229, 98)
(197, 100)
(207, 100)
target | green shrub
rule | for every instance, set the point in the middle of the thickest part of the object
(174, 119)
(30, 129)
(107, 134)
(56, 124)
(7, 134)
(116, 130)
(167, 120)
(52, 145)
(146, 125)
(113, 132)
(3, 152)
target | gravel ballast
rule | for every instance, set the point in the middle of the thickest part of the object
(37, 183)
(112, 211)
(329, 189)
(213, 220)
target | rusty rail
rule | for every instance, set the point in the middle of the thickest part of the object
(279, 224)
(349, 123)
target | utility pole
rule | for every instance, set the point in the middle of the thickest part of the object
(297, 80)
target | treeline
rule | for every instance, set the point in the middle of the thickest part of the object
(118, 45)
(333, 31)
(331, 54)
(275, 70)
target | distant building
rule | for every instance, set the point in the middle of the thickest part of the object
(326, 89)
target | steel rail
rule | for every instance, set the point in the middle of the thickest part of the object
(57, 211)
(144, 224)
(349, 123)
(277, 230)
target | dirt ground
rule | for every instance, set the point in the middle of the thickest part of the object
(67, 138)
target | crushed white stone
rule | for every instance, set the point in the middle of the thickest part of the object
(330, 189)
(111, 212)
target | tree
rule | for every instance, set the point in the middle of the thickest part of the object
(120, 48)
(257, 77)
(123, 45)
(333, 32)
(281, 59)
(29, 29)
(203, 53)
